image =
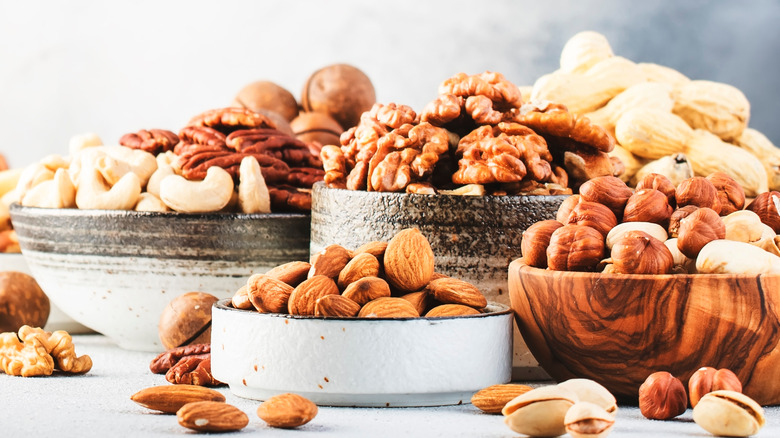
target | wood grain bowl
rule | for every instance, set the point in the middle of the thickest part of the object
(617, 329)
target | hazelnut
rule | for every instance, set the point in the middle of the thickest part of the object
(594, 215)
(648, 205)
(568, 204)
(662, 183)
(575, 248)
(186, 320)
(698, 191)
(677, 216)
(22, 302)
(341, 91)
(698, 229)
(609, 191)
(535, 241)
(708, 379)
(266, 95)
(662, 396)
(731, 195)
(319, 127)
(637, 252)
(767, 207)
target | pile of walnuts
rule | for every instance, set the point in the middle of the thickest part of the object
(478, 131)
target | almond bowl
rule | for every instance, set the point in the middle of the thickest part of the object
(377, 362)
(473, 237)
(617, 329)
(114, 271)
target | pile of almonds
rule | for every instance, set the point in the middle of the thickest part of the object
(700, 226)
(394, 279)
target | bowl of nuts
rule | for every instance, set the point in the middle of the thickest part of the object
(660, 288)
(373, 326)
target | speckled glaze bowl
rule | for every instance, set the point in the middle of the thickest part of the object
(114, 271)
(474, 238)
(377, 362)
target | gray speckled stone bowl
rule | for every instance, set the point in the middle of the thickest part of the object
(114, 271)
(474, 238)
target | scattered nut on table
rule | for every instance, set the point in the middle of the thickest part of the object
(588, 420)
(539, 412)
(35, 352)
(708, 379)
(170, 398)
(287, 411)
(211, 416)
(492, 399)
(662, 396)
(729, 413)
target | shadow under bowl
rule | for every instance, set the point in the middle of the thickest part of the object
(114, 271)
(618, 329)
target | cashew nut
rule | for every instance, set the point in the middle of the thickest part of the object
(31, 176)
(54, 193)
(55, 161)
(83, 141)
(141, 163)
(650, 228)
(731, 257)
(682, 263)
(114, 162)
(743, 226)
(95, 193)
(210, 194)
(166, 158)
(253, 194)
(150, 202)
(163, 170)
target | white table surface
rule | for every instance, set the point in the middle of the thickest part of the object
(98, 404)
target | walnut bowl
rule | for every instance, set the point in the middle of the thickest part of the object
(617, 329)
(376, 362)
(114, 271)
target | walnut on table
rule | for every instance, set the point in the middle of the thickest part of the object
(35, 352)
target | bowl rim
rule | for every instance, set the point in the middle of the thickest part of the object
(520, 263)
(79, 212)
(320, 185)
(500, 309)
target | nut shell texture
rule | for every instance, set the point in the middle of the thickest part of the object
(287, 411)
(729, 413)
(409, 260)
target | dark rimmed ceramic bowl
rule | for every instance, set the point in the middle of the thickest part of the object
(474, 238)
(114, 271)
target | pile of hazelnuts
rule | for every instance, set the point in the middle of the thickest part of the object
(662, 396)
(597, 229)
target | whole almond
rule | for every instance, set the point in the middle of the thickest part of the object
(420, 300)
(268, 294)
(367, 289)
(303, 299)
(330, 261)
(388, 307)
(362, 265)
(493, 398)
(336, 306)
(451, 310)
(292, 273)
(240, 299)
(409, 260)
(208, 416)
(170, 398)
(287, 410)
(454, 291)
(376, 249)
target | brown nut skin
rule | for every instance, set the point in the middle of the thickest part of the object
(662, 396)
(731, 195)
(564, 210)
(609, 191)
(535, 241)
(678, 215)
(22, 302)
(287, 410)
(648, 205)
(594, 215)
(319, 127)
(698, 229)
(575, 248)
(708, 379)
(698, 191)
(186, 320)
(661, 183)
(637, 252)
(342, 91)
(267, 95)
(767, 206)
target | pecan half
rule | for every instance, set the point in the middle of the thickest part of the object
(288, 198)
(274, 143)
(227, 120)
(195, 159)
(164, 361)
(202, 135)
(192, 370)
(154, 141)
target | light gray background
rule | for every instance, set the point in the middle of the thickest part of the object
(113, 67)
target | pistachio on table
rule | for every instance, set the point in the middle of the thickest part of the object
(588, 420)
(540, 412)
(729, 413)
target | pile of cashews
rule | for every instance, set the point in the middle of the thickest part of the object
(96, 176)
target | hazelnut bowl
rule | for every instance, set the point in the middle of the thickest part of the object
(617, 329)
(114, 271)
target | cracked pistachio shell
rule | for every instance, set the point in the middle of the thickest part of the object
(588, 420)
(539, 412)
(729, 413)
(588, 390)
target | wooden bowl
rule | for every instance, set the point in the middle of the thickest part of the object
(618, 329)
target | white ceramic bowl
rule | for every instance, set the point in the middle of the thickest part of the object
(378, 362)
(115, 271)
